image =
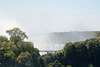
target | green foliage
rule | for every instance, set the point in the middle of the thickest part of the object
(9, 55)
(16, 35)
(41, 62)
(18, 53)
(78, 54)
(2, 39)
(55, 64)
(68, 66)
(25, 58)
(21, 54)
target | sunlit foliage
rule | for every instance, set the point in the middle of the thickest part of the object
(16, 52)
(16, 35)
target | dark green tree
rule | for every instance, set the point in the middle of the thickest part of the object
(25, 58)
(55, 64)
(3, 38)
(16, 35)
(41, 62)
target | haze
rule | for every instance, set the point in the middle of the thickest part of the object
(47, 16)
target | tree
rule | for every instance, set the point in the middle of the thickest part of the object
(55, 64)
(3, 38)
(25, 58)
(41, 62)
(16, 35)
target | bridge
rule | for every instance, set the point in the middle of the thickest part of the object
(49, 51)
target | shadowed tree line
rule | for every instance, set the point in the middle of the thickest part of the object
(16, 52)
(79, 54)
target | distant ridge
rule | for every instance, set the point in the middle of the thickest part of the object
(73, 36)
(75, 31)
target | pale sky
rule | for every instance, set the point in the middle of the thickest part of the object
(47, 16)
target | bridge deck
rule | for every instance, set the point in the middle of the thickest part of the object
(47, 51)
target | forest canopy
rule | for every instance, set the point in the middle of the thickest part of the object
(16, 52)
(16, 35)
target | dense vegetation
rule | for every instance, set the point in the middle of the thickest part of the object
(78, 54)
(16, 52)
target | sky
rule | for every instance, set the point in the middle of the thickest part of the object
(47, 16)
